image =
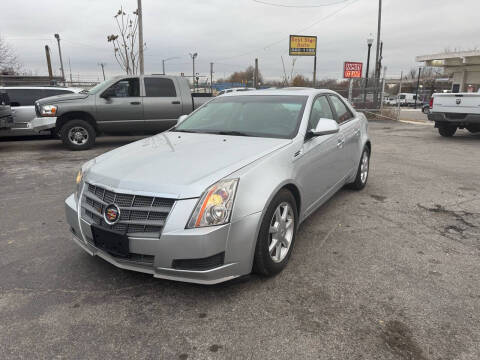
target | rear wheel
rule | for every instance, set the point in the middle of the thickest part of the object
(78, 135)
(277, 235)
(473, 128)
(362, 171)
(447, 130)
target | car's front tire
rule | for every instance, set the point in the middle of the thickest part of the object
(78, 135)
(277, 235)
(362, 171)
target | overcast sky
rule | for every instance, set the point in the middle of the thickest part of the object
(231, 33)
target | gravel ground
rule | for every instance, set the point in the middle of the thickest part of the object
(391, 272)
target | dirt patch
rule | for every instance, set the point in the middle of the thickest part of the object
(398, 338)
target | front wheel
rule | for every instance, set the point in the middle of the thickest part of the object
(447, 130)
(277, 235)
(78, 135)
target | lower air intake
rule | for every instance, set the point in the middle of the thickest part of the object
(199, 264)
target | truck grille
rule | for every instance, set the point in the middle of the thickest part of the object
(139, 215)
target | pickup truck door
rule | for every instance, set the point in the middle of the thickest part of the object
(162, 103)
(119, 109)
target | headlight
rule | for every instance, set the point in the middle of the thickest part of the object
(80, 176)
(215, 205)
(48, 110)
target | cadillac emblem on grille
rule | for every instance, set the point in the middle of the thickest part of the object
(111, 214)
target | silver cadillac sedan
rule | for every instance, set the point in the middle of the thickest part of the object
(222, 193)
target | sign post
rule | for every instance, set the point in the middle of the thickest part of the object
(352, 70)
(301, 45)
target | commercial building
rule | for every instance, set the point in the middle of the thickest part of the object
(463, 67)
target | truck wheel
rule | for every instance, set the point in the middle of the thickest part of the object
(277, 235)
(473, 129)
(447, 130)
(78, 135)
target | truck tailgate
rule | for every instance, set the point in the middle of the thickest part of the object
(462, 103)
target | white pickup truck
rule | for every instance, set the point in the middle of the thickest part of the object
(455, 111)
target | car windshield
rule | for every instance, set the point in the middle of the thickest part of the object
(276, 116)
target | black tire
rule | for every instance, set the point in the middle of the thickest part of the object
(360, 182)
(473, 128)
(447, 130)
(87, 131)
(263, 263)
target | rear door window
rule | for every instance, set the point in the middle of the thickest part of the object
(159, 87)
(55, 92)
(25, 97)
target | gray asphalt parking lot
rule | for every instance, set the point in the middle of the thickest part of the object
(391, 272)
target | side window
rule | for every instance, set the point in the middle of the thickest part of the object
(55, 92)
(126, 88)
(159, 87)
(343, 113)
(24, 97)
(320, 109)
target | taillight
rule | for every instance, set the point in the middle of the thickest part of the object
(431, 102)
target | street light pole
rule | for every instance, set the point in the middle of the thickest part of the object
(193, 56)
(57, 36)
(140, 36)
(418, 84)
(369, 44)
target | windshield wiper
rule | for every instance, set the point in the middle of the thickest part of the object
(233, 133)
(186, 131)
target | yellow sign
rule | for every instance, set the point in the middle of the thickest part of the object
(303, 45)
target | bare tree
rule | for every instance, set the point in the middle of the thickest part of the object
(9, 63)
(125, 45)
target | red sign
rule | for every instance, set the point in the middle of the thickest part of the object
(352, 69)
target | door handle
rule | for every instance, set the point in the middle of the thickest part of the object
(340, 143)
(135, 103)
(176, 102)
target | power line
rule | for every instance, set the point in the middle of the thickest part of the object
(305, 28)
(298, 6)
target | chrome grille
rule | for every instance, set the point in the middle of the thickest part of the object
(138, 213)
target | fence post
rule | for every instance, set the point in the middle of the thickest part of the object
(399, 91)
(350, 88)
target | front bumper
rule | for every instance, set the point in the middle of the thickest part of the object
(43, 123)
(156, 256)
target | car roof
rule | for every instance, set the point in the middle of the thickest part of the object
(285, 91)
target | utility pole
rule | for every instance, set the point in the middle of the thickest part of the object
(57, 36)
(418, 84)
(103, 69)
(163, 67)
(377, 57)
(193, 56)
(140, 36)
(255, 85)
(49, 64)
(314, 82)
(211, 77)
(70, 68)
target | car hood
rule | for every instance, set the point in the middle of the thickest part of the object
(177, 165)
(61, 98)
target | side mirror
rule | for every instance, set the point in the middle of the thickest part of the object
(325, 127)
(110, 92)
(181, 118)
